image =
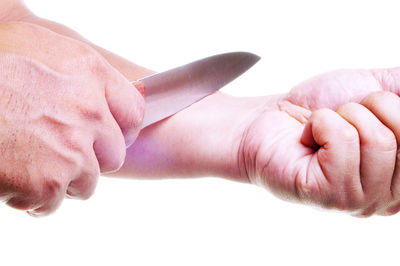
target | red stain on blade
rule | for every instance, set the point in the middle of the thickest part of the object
(140, 87)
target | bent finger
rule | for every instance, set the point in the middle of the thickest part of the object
(126, 105)
(377, 150)
(109, 146)
(385, 105)
(53, 195)
(83, 186)
(338, 159)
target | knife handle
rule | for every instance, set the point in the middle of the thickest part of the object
(140, 87)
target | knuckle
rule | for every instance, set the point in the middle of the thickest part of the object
(86, 193)
(21, 203)
(384, 139)
(88, 54)
(77, 192)
(320, 114)
(346, 108)
(374, 99)
(50, 189)
(84, 186)
(92, 112)
(391, 210)
(368, 211)
(324, 117)
(38, 194)
(92, 60)
(349, 134)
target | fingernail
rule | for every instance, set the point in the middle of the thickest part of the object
(33, 214)
(140, 87)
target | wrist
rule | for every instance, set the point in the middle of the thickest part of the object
(238, 116)
(202, 140)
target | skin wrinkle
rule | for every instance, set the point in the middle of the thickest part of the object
(242, 151)
(307, 176)
(396, 170)
(328, 91)
(254, 164)
(302, 120)
(285, 106)
(53, 110)
(312, 92)
(278, 137)
(298, 177)
(343, 194)
(292, 182)
(321, 167)
(381, 76)
(308, 190)
(359, 98)
(288, 111)
(241, 155)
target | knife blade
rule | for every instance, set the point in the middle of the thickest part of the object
(169, 92)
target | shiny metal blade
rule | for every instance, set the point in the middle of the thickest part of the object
(173, 90)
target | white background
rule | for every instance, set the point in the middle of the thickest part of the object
(209, 221)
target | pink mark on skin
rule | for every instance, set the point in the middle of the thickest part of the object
(140, 87)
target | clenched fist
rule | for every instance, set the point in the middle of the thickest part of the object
(332, 141)
(66, 115)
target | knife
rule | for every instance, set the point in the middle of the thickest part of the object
(168, 92)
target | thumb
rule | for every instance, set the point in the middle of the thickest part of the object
(333, 173)
(126, 104)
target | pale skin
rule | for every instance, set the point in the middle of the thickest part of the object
(330, 141)
(67, 115)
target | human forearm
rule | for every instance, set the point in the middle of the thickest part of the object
(179, 146)
(202, 140)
